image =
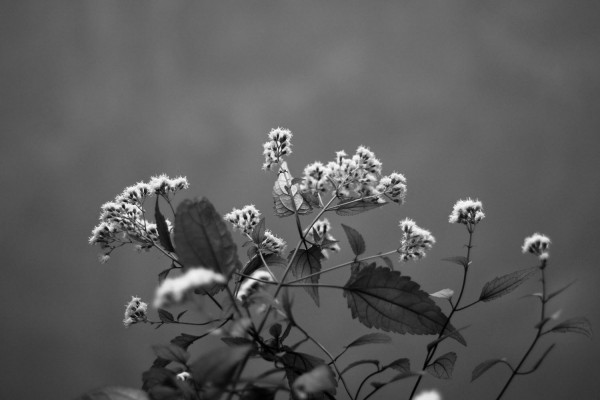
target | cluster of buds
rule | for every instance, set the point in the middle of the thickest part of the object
(279, 145)
(244, 219)
(537, 244)
(253, 284)
(468, 212)
(414, 241)
(135, 311)
(320, 235)
(174, 290)
(122, 220)
(272, 244)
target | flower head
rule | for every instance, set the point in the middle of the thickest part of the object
(244, 219)
(316, 177)
(163, 185)
(466, 212)
(279, 145)
(135, 311)
(393, 185)
(183, 376)
(253, 284)
(537, 244)
(272, 244)
(173, 290)
(415, 241)
(428, 395)
(323, 237)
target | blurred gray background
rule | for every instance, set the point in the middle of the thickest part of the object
(494, 100)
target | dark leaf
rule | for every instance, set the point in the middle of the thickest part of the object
(401, 365)
(559, 291)
(171, 352)
(184, 340)
(357, 243)
(218, 366)
(450, 332)
(275, 330)
(164, 236)
(460, 260)
(484, 366)
(258, 393)
(287, 305)
(378, 385)
(356, 267)
(272, 260)
(349, 207)
(157, 376)
(236, 341)
(388, 262)
(443, 366)
(311, 198)
(386, 300)
(370, 338)
(202, 238)
(165, 316)
(258, 233)
(316, 381)
(579, 325)
(115, 393)
(504, 284)
(357, 363)
(296, 364)
(307, 262)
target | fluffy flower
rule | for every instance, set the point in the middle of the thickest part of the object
(393, 185)
(163, 185)
(173, 290)
(414, 241)
(466, 212)
(316, 177)
(245, 219)
(252, 285)
(183, 376)
(279, 145)
(429, 395)
(135, 311)
(537, 244)
(272, 244)
(323, 238)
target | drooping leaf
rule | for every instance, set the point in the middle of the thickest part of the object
(115, 393)
(349, 207)
(450, 332)
(504, 284)
(286, 196)
(164, 273)
(258, 233)
(370, 338)
(296, 364)
(164, 236)
(307, 262)
(579, 325)
(388, 262)
(443, 294)
(386, 300)
(544, 355)
(316, 381)
(559, 291)
(443, 366)
(218, 366)
(184, 340)
(357, 243)
(357, 363)
(401, 365)
(484, 366)
(165, 316)
(460, 260)
(202, 238)
(171, 352)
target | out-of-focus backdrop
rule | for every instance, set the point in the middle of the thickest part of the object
(494, 100)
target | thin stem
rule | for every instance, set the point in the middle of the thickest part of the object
(185, 323)
(366, 378)
(538, 334)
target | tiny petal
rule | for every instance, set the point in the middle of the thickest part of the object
(467, 211)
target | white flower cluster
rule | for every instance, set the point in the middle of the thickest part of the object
(173, 290)
(467, 212)
(537, 244)
(414, 241)
(135, 311)
(279, 145)
(253, 284)
(272, 244)
(245, 219)
(324, 239)
(122, 220)
(428, 395)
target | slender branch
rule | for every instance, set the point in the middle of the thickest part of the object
(185, 323)
(365, 379)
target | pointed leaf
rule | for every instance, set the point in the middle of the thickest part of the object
(164, 236)
(349, 207)
(171, 352)
(305, 263)
(559, 291)
(460, 260)
(357, 243)
(484, 366)
(504, 284)
(296, 364)
(401, 365)
(218, 366)
(115, 393)
(184, 340)
(357, 363)
(318, 380)
(202, 238)
(450, 332)
(388, 262)
(165, 316)
(579, 325)
(386, 300)
(370, 338)
(443, 366)
(443, 294)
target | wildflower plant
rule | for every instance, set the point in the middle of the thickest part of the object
(247, 300)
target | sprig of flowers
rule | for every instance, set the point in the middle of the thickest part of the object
(278, 146)
(135, 311)
(244, 219)
(537, 244)
(414, 242)
(468, 212)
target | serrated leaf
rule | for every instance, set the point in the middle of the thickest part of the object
(165, 316)
(357, 363)
(460, 260)
(357, 243)
(401, 365)
(164, 236)
(307, 262)
(370, 338)
(559, 291)
(443, 366)
(443, 294)
(218, 366)
(184, 340)
(484, 366)
(203, 239)
(504, 284)
(115, 393)
(579, 325)
(258, 233)
(171, 352)
(349, 207)
(386, 300)
(318, 380)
